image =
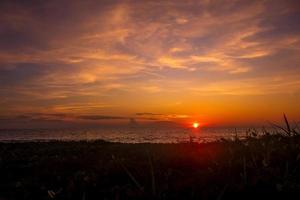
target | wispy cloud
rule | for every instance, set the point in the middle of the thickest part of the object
(99, 56)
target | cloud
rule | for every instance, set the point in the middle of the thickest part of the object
(90, 57)
(29, 117)
(100, 117)
(262, 86)
(148, 114)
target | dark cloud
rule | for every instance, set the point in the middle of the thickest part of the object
(149, 119)
(282, 61)
(18, 40)
(22, 73)
(42, 25)
(5, 118)
(49, 115)
(149, 114)
(23, 117)
(100, 117)
(36, 117)
(278, 28)
(33, 74)
(52, 117)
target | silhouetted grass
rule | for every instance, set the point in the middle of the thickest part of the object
(261, 166)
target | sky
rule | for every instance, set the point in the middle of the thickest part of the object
(218, 62)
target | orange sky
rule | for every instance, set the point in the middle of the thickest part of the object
(222, 63)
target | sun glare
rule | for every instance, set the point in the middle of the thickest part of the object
(195, 124)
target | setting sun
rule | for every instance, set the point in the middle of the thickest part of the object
(195, 124)
(202, 95)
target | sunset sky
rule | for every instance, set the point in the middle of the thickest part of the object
(222, 63)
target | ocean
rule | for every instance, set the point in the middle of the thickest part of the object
(123, 135)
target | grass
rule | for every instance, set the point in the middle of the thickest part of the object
(260, 166)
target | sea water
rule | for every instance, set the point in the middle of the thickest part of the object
(124, 134)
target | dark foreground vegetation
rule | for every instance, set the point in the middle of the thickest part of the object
(264, 167)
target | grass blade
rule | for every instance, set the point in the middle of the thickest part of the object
(288, 128)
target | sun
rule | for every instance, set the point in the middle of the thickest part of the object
(195, 124)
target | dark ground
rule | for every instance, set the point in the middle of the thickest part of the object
(264, 167)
